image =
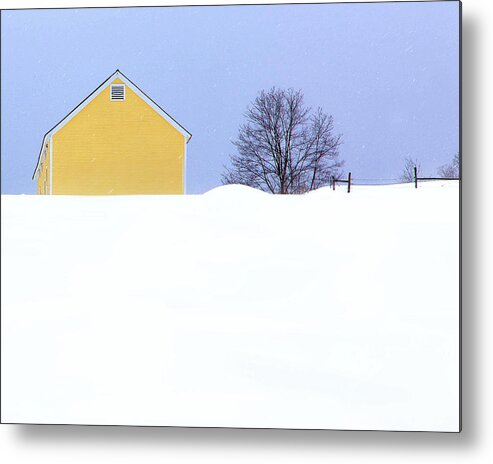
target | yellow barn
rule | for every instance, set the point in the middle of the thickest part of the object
(115, 142)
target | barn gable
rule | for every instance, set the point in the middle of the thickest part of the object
(112, 81)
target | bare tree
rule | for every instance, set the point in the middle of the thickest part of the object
(283, 147)
(407, 174)
(452, 169)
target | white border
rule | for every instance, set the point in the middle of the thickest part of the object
(51, 164)
(185, 167)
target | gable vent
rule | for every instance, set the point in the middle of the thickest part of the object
(117, 92)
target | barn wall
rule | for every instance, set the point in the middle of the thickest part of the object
(118, 147)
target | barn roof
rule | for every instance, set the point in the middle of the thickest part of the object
(116, 75)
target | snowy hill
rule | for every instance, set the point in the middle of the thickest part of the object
(234, 308)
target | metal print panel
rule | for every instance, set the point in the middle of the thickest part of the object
(232, 216)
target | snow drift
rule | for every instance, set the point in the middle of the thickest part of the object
(234, 308)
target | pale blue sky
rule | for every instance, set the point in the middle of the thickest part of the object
(387, 72)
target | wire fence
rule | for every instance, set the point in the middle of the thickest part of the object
(359, 181)
(350, 181)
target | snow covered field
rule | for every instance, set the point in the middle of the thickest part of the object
(234, 308)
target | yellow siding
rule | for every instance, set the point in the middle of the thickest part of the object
(118, 147)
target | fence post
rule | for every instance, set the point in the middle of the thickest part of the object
(333, 183)
(349, 183)
(415, 177)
